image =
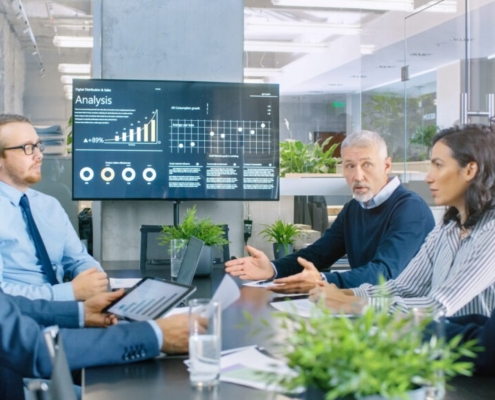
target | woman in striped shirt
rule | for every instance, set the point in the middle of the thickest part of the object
(454, 270)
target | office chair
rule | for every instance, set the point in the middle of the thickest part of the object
(153, 254)
(61, 384)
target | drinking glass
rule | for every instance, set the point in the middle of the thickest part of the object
(204, 344)
(177, 251)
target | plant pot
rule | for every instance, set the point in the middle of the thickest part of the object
(205, 263)
(313, 393)
(282, 250)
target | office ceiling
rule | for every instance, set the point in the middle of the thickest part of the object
(342, 50)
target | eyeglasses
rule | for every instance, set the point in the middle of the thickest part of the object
(29, 148)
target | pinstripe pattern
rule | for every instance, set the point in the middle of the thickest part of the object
(449, 274)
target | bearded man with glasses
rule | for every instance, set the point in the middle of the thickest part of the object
(38, 245)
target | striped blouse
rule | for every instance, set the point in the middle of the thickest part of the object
(449, 274)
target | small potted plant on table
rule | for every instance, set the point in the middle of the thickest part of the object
(204, 229)
(282, 235)
(376, 355)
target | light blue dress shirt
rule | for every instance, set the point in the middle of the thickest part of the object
(20, 270)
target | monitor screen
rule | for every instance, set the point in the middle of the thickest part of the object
(175, 140)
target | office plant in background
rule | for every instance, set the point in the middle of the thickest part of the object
(282, 235)
(202, 228)
(297, 157)
(376, 355)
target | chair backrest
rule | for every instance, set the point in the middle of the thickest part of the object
(61, 385)
(153, 254)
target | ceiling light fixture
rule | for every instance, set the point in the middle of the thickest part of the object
(68, 95)
(262, 72)
(382, 5)
(307, 28)
(284, 47)
(67, 79)
(74, 68)
(67, 88)
(73, 41)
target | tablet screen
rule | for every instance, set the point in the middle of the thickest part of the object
(149, 299)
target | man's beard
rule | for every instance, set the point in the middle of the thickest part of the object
(365, 197)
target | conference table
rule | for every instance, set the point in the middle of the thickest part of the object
(167, 377)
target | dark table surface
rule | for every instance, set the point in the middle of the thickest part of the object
(167, 378)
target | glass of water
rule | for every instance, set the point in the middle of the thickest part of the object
(204, 344)
(177, 251)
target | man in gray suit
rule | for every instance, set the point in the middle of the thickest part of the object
(23, 351)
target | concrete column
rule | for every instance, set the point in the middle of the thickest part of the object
(166, 40)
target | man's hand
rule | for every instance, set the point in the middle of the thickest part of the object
(94, 305)
(256, 267)
(175, 331)
(337, 299)
(302, 282)
(88, 283)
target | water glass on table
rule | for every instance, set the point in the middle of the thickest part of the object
(204, 344)
(177, 251)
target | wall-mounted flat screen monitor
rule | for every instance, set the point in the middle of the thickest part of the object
(175, 140)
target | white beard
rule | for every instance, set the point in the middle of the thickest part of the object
(364, 198)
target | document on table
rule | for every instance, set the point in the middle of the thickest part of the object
(226, 293)
(248, 366)
(260, 284)
(302, 307)
(118, 283)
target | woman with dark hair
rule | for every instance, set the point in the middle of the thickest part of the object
(454, 271)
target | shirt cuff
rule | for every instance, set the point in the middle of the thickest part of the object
(63, 292)
(274, 269)
(158, 332)
(323, 277)
(360, 292)
(80, 305)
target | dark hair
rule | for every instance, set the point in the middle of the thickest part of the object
(8, 119)
(472, 143)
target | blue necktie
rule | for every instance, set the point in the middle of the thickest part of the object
(38, 242)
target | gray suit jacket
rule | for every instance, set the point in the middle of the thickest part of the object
(23, 351)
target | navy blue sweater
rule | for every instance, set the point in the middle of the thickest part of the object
(378, 242)
(476, 327)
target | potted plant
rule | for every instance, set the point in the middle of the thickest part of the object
(202, 228)
(282, 235)
(297, 157)
(377, 355)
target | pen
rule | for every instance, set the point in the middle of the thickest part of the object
(262, 282)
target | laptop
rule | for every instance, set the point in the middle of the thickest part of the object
(190, 261)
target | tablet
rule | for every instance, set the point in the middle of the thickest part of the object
(150, 298)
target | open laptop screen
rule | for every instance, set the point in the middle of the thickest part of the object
(190, 261)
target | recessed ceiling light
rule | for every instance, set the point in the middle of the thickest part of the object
(358, 76)
(420, 54)
(386, 66)
(335, 84)
(460, 40)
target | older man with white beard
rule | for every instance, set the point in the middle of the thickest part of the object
(380, 230)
